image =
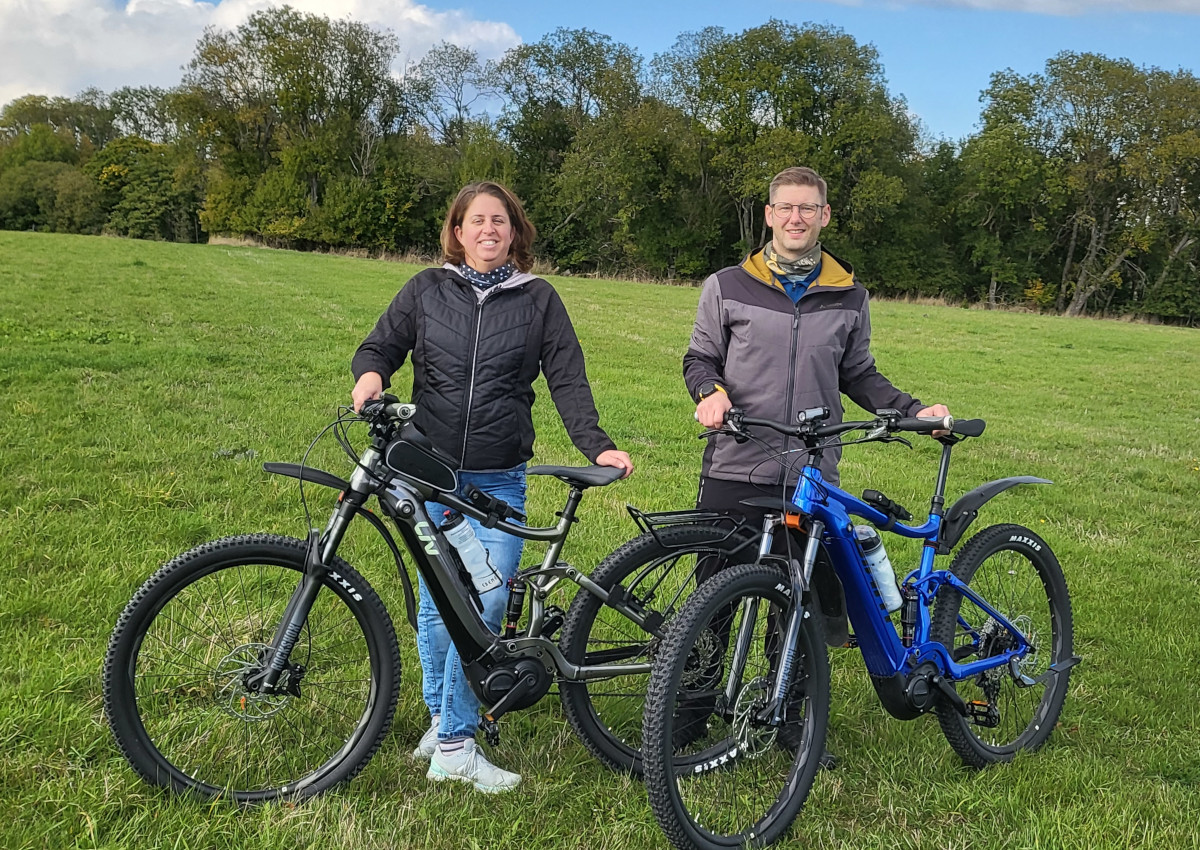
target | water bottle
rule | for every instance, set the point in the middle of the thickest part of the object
(474, 557)
(879, 566)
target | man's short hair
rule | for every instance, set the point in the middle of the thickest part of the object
(798, 176)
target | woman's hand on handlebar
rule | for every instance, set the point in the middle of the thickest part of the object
(617, 458)
(369, 386)
(711, 411)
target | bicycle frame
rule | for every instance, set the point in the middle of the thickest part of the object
(471, 636)
(829, 509)
(482, 650)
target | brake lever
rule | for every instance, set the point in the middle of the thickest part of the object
(895, 438)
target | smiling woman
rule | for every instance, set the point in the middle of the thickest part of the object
(480, 330)
(486, 234)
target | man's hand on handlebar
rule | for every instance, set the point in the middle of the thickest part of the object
(938, 410)
(711, 411)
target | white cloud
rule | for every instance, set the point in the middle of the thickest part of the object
(59, 47)
(1046, 7)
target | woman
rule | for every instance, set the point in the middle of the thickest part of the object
(480, 329)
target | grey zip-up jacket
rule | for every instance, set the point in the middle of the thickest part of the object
(776, 358)
(476, 353)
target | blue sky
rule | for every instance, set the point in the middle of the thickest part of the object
(938, 54)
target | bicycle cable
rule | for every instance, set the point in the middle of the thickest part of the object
(343, 441)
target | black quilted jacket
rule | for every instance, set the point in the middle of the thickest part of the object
(475, 357)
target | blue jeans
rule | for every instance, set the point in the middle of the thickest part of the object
(445, 683)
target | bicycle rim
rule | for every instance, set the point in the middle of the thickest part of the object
(608, 713)
(194, 645)
(722, 776)
(1026, 585)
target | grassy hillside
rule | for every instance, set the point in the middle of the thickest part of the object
(142, 385)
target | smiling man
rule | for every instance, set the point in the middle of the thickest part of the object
(786, 330)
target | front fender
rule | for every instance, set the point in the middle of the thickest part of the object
(963, 512)
(307, 473)
(328, 479)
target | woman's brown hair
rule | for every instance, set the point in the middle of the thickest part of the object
(523, 230)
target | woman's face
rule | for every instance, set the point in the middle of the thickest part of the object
(486, 233)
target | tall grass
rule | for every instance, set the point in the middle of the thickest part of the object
(142, 384)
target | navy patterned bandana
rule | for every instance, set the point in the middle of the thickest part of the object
(485, 279)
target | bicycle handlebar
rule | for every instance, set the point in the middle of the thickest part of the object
(886, 423)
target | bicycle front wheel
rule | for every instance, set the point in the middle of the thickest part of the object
(176, 675)
(717, 772)
(656, 573)
(1015, 571)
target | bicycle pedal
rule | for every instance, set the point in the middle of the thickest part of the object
(491, 731)
(983, 714)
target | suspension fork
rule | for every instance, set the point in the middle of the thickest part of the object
(801, 574)
(741, 644)
(320, 551)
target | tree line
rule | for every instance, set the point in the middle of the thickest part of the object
(1079, 194)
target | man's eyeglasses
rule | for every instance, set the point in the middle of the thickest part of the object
(807, 211)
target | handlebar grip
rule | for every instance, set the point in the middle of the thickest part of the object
(968, 427)
(401, 411)
(929, 424)
(924, 424)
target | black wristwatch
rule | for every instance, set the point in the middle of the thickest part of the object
(707, 389)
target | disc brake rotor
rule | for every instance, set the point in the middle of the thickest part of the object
(754, 737)
(233, 697)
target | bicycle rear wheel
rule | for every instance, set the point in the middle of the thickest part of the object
(1015, 571)
(175, 676)
(718, 775)
(656, 573)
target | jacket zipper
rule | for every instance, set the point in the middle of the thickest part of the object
(787, 441)
(478, 326)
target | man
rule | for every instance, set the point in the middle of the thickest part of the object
(787, 330)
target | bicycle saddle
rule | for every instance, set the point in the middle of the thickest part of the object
(580, 476)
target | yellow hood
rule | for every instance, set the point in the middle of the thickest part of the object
(834, 272)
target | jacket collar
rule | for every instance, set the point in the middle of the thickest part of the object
(517, 280)
(835, 273)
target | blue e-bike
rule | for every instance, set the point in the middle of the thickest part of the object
(735, 719)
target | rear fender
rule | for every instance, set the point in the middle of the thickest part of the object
(963, 512)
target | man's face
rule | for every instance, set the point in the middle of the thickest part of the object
(796, 233)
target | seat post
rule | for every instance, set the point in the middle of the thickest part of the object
(566, 517)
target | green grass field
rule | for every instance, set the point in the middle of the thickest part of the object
(142, 385)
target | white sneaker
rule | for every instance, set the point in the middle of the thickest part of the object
(470, 765)
(428, 744)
